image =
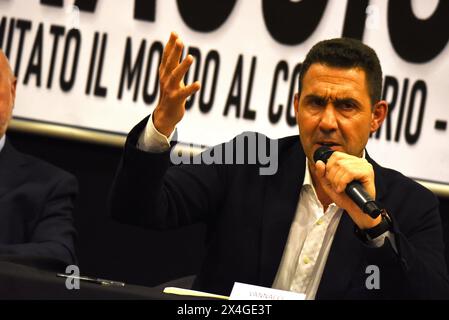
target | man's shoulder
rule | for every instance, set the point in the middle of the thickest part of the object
(37, 168)
(40, 167)
(395, 180)
(259, 134)
(283, 142)
(248, 141)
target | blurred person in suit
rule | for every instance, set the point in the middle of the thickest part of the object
(36, 198)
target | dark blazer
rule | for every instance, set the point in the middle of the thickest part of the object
(249, 217)
(36, 204)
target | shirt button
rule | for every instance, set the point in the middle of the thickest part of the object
(306, 260)
(319, 222)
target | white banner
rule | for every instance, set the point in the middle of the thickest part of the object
(93, 64)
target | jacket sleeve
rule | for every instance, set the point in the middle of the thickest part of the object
(419, 264)
(149, 191)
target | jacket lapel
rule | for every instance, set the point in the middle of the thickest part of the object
(11, 173)
(280, 200)
(344, 257)
(381, 188)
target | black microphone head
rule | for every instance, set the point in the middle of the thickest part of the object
(322, 153)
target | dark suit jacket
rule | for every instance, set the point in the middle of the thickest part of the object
(36, 204)
(249, 218)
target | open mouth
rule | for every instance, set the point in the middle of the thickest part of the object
(328, 144)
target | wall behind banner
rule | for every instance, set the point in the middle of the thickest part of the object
(110, 250)
(93, 64)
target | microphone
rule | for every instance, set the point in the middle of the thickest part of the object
(354, 189)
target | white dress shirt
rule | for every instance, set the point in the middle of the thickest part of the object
(311, 233)
(309, 241)
(151, 140)
(2, 142)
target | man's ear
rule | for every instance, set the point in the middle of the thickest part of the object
(13, 91)
(378, 115)
(296, 103)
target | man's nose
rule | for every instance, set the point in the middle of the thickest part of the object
(328, 120)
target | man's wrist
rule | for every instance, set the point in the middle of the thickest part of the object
(370, 222)
(151, 140)
(362, 220)
(382, 227)
(161, 125)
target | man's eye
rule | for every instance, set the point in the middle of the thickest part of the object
(317, 102)
(346, 106)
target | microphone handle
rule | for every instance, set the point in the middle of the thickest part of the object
(363, 200)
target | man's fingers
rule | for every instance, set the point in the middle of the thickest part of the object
(173, 58)
(342, 181)
(187, 91)
(168, 48)
(181, 70)
(320, 168)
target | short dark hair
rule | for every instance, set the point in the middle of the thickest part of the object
(347, 53)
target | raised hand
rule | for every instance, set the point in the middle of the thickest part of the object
(173, 91)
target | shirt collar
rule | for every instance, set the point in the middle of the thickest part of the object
(2, 142)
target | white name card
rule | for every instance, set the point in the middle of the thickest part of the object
(242, 291)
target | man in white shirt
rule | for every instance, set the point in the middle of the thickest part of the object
(297, 229)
